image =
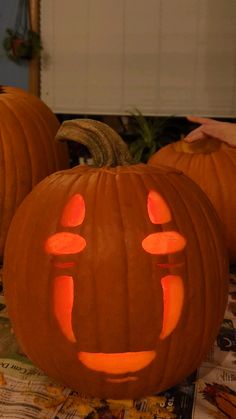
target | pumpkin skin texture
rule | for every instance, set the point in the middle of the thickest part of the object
(116, 277)
(28, 151)
(212, 165)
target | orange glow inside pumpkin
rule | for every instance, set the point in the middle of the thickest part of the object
(173, 297)
(64, 243)
(63, 298)
(74, 212)
(158, 210)
(164, 242)
(117, 363)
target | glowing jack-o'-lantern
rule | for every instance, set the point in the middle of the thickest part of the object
(115, 276)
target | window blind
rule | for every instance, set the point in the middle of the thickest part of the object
(164, 57)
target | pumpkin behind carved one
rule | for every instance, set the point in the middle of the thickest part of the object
(115, 276)
(212, 165)
(28, 152)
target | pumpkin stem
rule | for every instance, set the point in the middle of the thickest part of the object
(105, 145)
(205, 146)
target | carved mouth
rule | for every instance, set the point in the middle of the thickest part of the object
(117, 363)
(122, 380)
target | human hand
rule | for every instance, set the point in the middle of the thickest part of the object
(223, 131)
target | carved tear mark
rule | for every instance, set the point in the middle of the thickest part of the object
(165, 243)
(66, 243)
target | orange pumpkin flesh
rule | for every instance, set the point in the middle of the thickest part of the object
(28, 152)
(212, 165)
(111, 318)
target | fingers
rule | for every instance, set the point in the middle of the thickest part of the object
(195, 135)
(221, 131)
(209, 128)
(200, 119)
(205, 131)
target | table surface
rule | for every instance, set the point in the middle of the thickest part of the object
(210, 392)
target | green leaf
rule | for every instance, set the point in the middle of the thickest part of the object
(138, 155)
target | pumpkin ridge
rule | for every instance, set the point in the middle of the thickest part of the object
(168, 351)
(215, 174)
(28, 127)
(200, 355)
(219, 184)
(40, 128)
(11, 172)
(2, 192)
(23, 137)
(204, 268)
(48, 150)
(224, 194)
(127, 289)
(137, 182)
(201, 146)
(231, 153)
(95, 284)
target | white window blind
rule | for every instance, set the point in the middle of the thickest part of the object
(164, 57)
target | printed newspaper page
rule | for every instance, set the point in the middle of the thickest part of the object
(215, 391)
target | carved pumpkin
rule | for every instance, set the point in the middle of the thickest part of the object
(115, 276)
(212, 165)
(28, 152)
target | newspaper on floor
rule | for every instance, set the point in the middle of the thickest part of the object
(215, 390)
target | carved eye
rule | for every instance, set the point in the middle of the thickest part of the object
(158, 210)
(74, 212)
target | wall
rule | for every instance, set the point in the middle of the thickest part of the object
(11, 74)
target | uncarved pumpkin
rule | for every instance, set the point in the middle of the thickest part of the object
(28, 151)
(115, 276)
(212, 165)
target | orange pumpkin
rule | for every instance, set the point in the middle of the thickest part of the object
(28, 152)
(115, 276)
(212, 165)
